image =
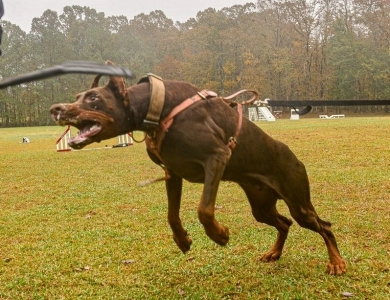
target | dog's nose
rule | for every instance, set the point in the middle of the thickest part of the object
(55, 109)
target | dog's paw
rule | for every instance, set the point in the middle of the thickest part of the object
(224, 236)
(336, 269)
(184, 243)
(270, 256)
(220, 236)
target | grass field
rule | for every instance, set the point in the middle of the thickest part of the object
(75, 225)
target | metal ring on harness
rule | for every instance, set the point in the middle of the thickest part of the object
(138, 142)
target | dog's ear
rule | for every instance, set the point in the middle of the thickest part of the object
(116, 84)
(95, 82)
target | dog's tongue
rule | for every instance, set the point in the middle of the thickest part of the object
(83, 137)
(78, 142)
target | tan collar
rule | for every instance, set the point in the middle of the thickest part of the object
(156, 102)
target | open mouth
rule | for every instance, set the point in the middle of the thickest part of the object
(85, 135)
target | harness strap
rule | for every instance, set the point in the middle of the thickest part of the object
(167, 122)
(251, 100)
(233, 139)
(153, 143)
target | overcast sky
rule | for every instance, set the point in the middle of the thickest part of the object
(21, 12)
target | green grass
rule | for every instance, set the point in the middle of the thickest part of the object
(75, 225)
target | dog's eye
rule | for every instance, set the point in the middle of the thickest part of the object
(93, 97)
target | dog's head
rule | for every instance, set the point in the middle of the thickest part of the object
(99, 113)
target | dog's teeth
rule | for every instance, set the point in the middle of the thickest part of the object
(95, 127)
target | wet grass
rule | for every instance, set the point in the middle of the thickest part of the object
(75, 225)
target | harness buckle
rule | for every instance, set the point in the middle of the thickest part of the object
(149, 125)
(232, 142)
(202, 96)
(207, 94)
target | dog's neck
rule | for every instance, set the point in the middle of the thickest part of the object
(139, 99)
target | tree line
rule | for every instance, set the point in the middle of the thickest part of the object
(285, 49)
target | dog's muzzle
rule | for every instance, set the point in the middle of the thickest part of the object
(56, 111)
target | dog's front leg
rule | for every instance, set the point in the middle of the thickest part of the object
(214, 169)
(180, 236)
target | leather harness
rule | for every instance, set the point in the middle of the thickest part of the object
(155, 129)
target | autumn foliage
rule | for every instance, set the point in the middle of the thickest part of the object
(287, 50)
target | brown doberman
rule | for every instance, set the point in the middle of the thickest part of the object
(195, 135)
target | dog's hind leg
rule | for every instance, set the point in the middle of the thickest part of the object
(174, 189)
(306, 216)
(213, 173)
(297, 198)
(263, 200)
(336, 265)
